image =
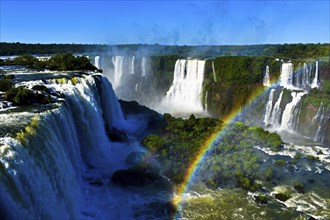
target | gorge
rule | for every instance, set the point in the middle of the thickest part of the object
(64, 154)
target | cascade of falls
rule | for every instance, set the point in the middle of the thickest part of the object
(119, 68)
(277, 112)
(269, 107)
(185, 93)
(97, 62)
(300, 79)
(266, 80)
(286, 75)
(321, 119)
(41, 178)
(315, 83)
(289, 113)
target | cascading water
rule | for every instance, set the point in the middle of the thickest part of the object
(213, 71)
(276, 113)
(185, 93)
(97, 62)
(321, 119)
(144, 66)
(118, 62)
(269, 107)
(289, 114)
(286, 75)
(315, 83)
(266, 80)
(42, 176)
(132, 68)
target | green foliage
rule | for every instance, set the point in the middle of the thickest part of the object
(180, 142)
(326, 87)
(154, 142)
(278, 50)
(238, 79)
(280, 162)
(234, 156)
(311, 157)
(283, 196)
(19, 96)
(303, 50)
(24, 96)
(66, 61)
(61, 61)
(5, 85)
(26, 59)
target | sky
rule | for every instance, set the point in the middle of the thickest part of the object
(165, 22)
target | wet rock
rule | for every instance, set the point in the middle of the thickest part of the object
(261, 199)
(117, 135)
(136, 158)
(136, 176)
(282, 196)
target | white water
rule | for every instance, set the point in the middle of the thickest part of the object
(97, 62)
(117, 61)
(276, 113)
(132, 69)
(144, 66)
(46, 177)
(321, 119)
(288, 113)
(269, 107)
(315, 83)
(213, 70)
(185, 93)
(266, 80)
(286, 75)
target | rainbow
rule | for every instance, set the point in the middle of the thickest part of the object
(207, 145)
(209, 142)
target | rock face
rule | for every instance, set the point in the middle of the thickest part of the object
(117, 135)
(140, 176)
(136, 176)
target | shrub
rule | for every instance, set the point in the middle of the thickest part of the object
(5, 85)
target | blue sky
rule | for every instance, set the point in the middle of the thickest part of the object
(165, 22)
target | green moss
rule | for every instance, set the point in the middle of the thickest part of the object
(282, 196)
(5, 85)
(280, 162)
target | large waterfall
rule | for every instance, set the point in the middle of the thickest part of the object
(266, 80)
(185, 93)
(289, 113)
(286, 75)
(302, 78)
(43, 175)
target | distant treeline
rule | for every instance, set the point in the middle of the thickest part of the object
(290, 51)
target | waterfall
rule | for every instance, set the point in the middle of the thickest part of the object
(118, 70)
(41, 176)
(315, 83)
(185, 93)
(276, 113)
(289, 114)
(144, 66)
(301, 78)
(269, 107)
(214, 75)
(286, 75)
(97, 62)
(132, 69)
(266, 80)
(321, 120)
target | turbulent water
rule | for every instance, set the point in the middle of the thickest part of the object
(62, 165)
(185, 93)
(60, 155)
